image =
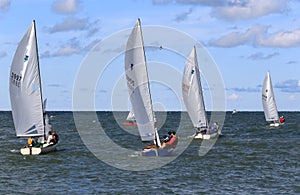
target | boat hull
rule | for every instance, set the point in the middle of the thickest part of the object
(128, 124)
(274, 124)
(206, 136)
(131, 124)
(37, 151)
(156, 152)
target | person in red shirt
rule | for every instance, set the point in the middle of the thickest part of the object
(173, 141)
(281, 119)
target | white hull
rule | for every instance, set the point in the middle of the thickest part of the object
(37, 151)
(157, 152)
(274, 124)
(206, 136)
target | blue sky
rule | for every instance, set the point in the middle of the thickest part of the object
(246, 38)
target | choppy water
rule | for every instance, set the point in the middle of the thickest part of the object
(251, 158)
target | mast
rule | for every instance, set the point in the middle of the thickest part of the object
(156, 140)
(39, 72)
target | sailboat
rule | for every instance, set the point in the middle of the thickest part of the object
(130, 120)
(193, 98)
(139, 92)
(268, 101)
(234, 111)
(26, 95)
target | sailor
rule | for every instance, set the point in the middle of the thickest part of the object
(30, 142)
(213, 129)
(173, 141)
(169, 136)
(281, 119)
(55, 137)
(49, 137)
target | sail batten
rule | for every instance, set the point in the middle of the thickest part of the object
(192, 92)
(268, 100)
(138, 85)
(25, 87)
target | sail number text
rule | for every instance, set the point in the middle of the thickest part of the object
(15, 79)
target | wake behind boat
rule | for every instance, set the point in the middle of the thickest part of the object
(194, 101)
(139, 92)
(25, 89)
(269, 103)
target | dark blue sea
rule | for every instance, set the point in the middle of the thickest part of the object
(249, 158)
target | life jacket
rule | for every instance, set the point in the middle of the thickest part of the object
(173, 142)
(29, 141)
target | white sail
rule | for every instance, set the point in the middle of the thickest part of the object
(25, 88)
(268, 100)
(47, 125)
(138, 85)
(130, 116)
(192, 92)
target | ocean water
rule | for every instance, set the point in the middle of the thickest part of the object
(249, 158)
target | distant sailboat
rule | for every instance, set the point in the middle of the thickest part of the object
(234, 111)
(268, 101)
(193, 98)
(130, 120)
(139, 91)
(26, 94)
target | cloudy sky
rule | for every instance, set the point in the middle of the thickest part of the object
(245, 38)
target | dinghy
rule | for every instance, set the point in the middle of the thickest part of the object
(26, 95)
(193, 99)
(139, 92)
(130, 120)
(269, 104)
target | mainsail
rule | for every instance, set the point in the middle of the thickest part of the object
(268, 100)
(138, 85)
(192, 92)
(25, 88)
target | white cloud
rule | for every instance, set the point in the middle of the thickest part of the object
(282, 39)
(67, 51)
(183, 16)
(70, 24)
(234, 9)
(4, 5)
(251, 35)
(248, 89)
(261, 56)
(66, 6)
(233, 96)
(70, 47)
(258, 35)
(247, 9)
(289, 86)
(202, 2)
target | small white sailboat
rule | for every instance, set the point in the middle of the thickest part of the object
(193, 99)
(234, 111)
(26, 95)
(139, 92)
(130, 120)
(268, 101)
